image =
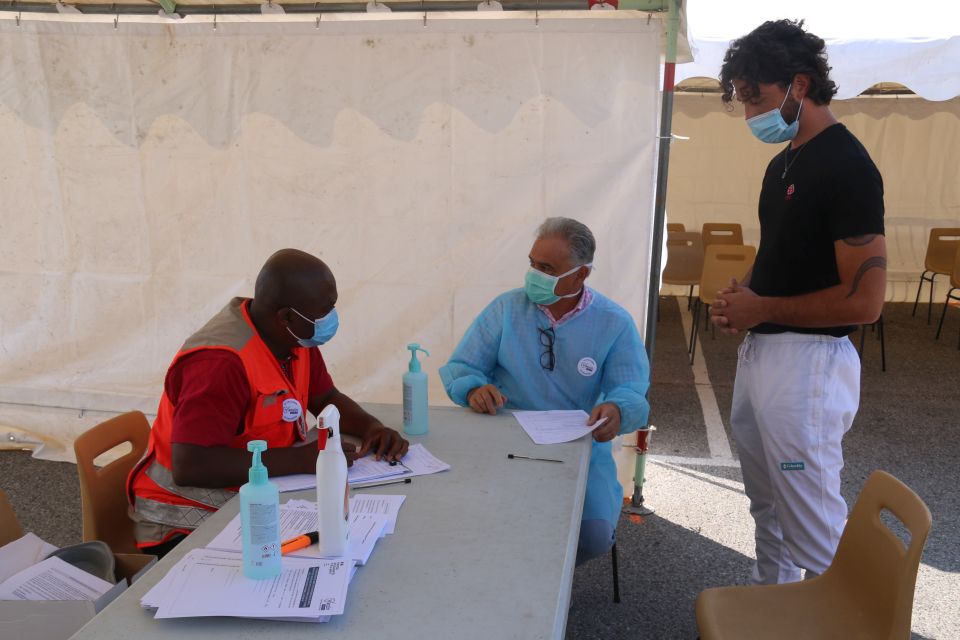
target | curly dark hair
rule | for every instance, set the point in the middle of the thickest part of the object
(774, 53)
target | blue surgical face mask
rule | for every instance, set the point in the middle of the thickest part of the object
(540, 287)
(323, 329)
(771, 127)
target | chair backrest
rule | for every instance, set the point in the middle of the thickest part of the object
(10, 529)
(722, 262)
(872, 565)
(721, 233)
(675, 226)
(942, 249)
(103, 491)
(955, 272)
(684, 258)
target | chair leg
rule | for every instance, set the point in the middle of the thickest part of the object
(690, 299)
(946, 303)
(930, 299)
(883, 345)
(863, 334)
(917, 301)
(616, 573)
(694, 329)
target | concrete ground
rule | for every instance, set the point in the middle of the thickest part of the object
(701, 534)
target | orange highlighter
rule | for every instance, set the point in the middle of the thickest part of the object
(300, 542)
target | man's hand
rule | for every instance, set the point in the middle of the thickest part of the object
(383, 442)
(486, 399)
(609, 429)
(736, 309)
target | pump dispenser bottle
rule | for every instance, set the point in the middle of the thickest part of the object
(260, 520)
(333, 506)
(415, 395)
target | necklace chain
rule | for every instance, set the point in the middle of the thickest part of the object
(786, 167)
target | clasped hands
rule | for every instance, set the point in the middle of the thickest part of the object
(736, 309)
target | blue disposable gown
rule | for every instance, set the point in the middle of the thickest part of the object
(502, 347)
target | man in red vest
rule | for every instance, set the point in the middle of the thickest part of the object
(250, 373)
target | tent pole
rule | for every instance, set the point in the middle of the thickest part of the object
(636, 505)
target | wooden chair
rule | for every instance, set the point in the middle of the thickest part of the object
(878, 329)
(954, 287)
(684, 260)
(10, 529)
(103, 490)
(720, 263)
(675, 226)
(721, 233)
(942, 248)
(867, 592)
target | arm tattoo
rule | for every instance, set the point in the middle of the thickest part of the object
(859, 241)
(869, 263)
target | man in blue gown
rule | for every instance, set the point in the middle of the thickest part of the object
(557, 344)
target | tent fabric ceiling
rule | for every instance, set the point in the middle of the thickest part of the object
(868, 41)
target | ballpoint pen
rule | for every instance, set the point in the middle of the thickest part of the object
(513, 456)
(382, 484)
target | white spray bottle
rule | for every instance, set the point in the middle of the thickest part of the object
(333, 507)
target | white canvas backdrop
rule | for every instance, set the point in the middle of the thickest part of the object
(715, 175)
(148, 170)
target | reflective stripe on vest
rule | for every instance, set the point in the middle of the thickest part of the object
(213, 498)
(176, 516)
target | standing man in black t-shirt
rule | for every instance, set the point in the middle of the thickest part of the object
(820, 271)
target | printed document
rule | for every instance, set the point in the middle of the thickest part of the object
(385, 505)
(211, 583)
(417, 462)
(554, 427)
(21, 553)
(53, 579)
(365, 530)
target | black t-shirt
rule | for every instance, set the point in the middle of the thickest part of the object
(831, 190)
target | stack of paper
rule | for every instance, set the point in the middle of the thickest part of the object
(53, 579)
(300, 518)
(21, 553)
(417, 462)
(211, 583)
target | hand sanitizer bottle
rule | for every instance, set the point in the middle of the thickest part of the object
(260, 520)
(333, 506)
(415, 395)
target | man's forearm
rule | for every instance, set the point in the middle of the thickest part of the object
(354, 420)
(219, 467)
(825, 308)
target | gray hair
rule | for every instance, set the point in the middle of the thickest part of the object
(579, 238)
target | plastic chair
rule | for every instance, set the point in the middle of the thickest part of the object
(721, 233)
(103, 491)
(954, 286)
(675, 226)
(942, 248)
(866, 593)
(10, 529)
(684, 260)
(720, 263)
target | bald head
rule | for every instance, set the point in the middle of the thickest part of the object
(293, 278)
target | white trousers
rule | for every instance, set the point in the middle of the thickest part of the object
(794, 398)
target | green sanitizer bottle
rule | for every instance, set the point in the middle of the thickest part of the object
(415, 395)
(260, 520)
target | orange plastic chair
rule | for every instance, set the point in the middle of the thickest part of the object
(720, 263)
(684, 260)
(954, 286)
(721, 233)
(10, 529)
(103, 490)
(867, 593)
(942, 247)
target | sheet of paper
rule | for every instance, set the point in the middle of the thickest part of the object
(365, 529)
(554, 427)
(53, 579)
(21, 553)
(212, 584)
(417, 462)
(384, 505)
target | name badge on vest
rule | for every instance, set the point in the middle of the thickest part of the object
(292, 410)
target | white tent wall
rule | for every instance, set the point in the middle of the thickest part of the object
(148, 170)
(715, 175)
